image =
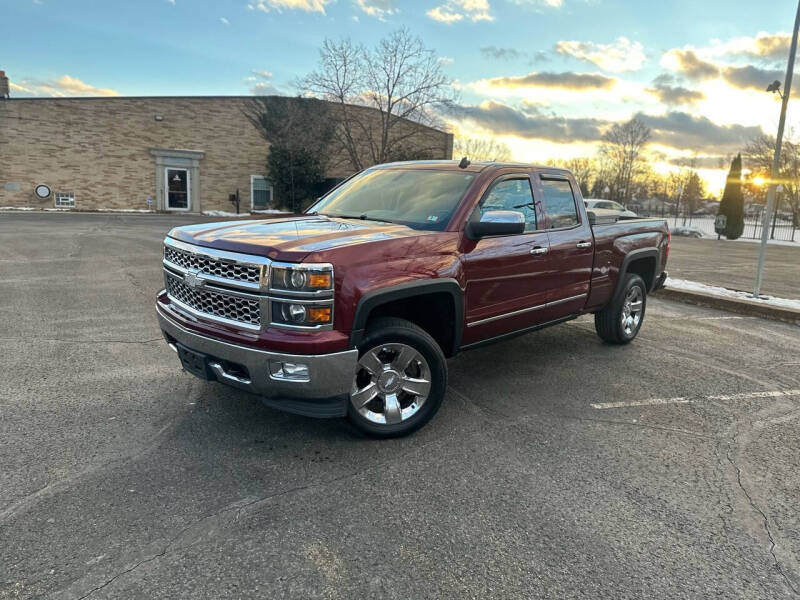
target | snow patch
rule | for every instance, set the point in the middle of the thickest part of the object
(123, 210)
(770, 242)
(685, 231)
(224, 213)
(713, 290)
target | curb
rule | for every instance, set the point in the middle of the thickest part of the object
(739, 306)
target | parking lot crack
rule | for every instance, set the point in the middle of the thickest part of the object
(764, 519)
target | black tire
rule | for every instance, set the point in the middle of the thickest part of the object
(609, 322)
(388, 331)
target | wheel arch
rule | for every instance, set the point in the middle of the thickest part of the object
(643, 262)
(371, 302)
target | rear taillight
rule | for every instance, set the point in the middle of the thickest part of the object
(669, 239)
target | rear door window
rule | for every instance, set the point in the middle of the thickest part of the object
(559, 203)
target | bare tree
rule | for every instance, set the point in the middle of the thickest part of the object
(400, 79)
(488, 149)
(621, 148)
(584, 170)
(759, 153)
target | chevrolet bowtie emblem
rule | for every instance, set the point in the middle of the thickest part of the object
(194, 280)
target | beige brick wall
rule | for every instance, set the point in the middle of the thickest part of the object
(99, 148)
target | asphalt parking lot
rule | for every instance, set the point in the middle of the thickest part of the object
(558, 467)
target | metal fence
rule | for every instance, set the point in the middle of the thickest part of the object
(779, 229)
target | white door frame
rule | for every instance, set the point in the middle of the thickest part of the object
(188, 189)
(271, 196)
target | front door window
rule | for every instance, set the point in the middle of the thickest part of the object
(177, 189)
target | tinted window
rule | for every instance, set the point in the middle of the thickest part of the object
(423, 199)
(559, 203)
(512, 194)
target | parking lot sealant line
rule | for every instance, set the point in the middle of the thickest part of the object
(682, 400)
(11, 339)
(764, 519)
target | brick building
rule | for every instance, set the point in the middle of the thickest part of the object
(181, 153)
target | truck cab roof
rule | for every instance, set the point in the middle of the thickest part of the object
(474, 167)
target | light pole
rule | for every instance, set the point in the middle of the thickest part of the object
(678, 204)
(776, 161)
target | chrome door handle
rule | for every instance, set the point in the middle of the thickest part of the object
(584, 244)
(538, 250)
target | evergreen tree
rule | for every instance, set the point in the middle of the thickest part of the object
(692, 195)
(732, 203)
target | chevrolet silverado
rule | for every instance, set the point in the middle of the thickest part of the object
(353, 308)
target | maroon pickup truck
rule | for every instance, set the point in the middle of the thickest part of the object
(353, 308)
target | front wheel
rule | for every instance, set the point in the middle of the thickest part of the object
(620, 321)
(399, 381)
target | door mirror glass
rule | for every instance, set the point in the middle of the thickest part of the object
(497, 222)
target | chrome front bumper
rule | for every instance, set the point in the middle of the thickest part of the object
(323, 393)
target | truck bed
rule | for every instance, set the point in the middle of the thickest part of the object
(619, 240)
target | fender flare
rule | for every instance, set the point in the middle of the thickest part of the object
(629, 258)
(375, 298)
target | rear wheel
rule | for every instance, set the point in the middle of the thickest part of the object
(620, 321)
(399, 381)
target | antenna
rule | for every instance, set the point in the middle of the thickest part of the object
(464, 163)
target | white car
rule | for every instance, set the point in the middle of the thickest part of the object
(610, 206)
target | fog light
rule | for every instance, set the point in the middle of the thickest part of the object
(288, 370)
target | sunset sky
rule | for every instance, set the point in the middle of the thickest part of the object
(545, 76)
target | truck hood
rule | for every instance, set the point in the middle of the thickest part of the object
(290, 239)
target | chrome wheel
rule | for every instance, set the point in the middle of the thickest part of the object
(632, 309)
(391, 384)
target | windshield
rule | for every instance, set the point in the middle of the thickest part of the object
(422, 199)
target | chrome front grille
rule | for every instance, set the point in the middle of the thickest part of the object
(217, 267)
(232, 288)
(216, 303)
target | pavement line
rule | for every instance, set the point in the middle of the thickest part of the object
(682, 400)
(718, 318)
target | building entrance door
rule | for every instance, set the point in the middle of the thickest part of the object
(177, 186)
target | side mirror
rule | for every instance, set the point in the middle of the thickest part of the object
(496, 222)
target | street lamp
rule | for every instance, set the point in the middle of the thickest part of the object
(774, 87)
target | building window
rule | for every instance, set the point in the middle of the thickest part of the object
(260, 192)
(65, 200)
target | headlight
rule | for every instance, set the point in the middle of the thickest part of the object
(303, 315)
(302, 278)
